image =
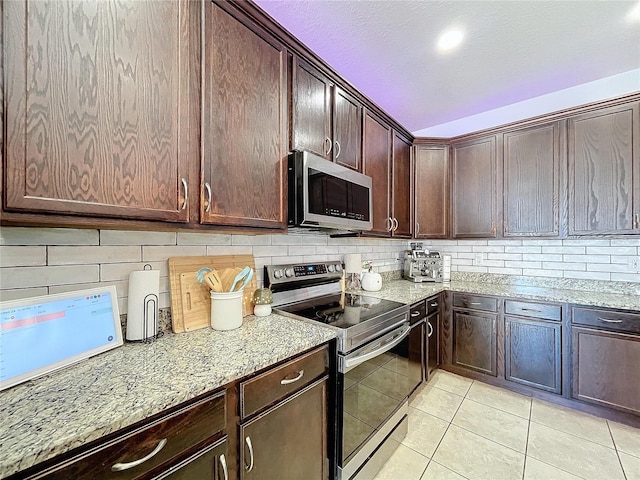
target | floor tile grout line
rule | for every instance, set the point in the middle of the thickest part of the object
(574, 435)
(556, 467)
(624, 473)
(526, 444)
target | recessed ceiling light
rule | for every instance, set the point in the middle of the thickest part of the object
(634, 13)
(450, 39)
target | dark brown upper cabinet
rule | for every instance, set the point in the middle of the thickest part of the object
(244, 137)
(532, 159)
(431, 191)
(604, 171)
(326, 120)
(474, 190)
(99, 117)
(402, 192)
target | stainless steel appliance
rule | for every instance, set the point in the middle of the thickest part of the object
(323, 194)
(380, 360)
(422, 265)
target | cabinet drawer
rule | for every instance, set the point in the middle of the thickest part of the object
(418, 312)
(609, 319)
(475, 302)
(169, 436)
(535, 310)
(433, 305)
(279, 382)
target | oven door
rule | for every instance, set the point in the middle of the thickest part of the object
(375, 381)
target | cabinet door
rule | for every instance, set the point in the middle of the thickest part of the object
(532, 353)
(531, 181)
(433, 350)
(347, 130)
(377, 164)
(474, 341)
(605, 368)
(210, 463)
(604, 171)
(431, 205)
(288, 442)
(99, 115)
(401, 193)
(474, 188)
(245, 123)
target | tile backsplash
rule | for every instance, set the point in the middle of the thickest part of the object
(38, 261)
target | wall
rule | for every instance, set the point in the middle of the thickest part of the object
(38, 261)
(598, 259)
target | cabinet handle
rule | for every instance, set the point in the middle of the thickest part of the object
(186, 193)
(637, 217)
(388, 223)
(223, 462)
(417, 227)
(249, 467)
(207, 187)
(414, 314)
(118, 467)
(287, 381)
(337, 149)
(329, 144)
(395, 222)
(430, 329)
(608, 320)
(434, 304)
(531, 310)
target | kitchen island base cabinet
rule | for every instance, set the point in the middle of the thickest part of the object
(289, 441)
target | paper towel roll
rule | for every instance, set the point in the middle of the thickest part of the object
(142, 311)
(353, 263)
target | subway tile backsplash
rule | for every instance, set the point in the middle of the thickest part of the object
(37, 261)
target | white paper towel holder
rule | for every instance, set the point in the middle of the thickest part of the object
(142, 312)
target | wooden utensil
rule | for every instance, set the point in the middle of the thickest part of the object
(213, 280)
(187, 290)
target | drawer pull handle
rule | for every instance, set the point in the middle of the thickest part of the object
(249, 467)
(531, 310)
(287, 381)
(608, 320)
(223, 462)
(434, 304)
(118, 467)
(472, 303)
(415, 314)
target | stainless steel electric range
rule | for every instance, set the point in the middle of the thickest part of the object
(380, 354)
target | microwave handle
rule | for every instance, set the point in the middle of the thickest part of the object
(390, 343)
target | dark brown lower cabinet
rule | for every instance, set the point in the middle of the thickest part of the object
(210, 463)
(288, 441)
(533, 353)
(474, 341)
(605, 368)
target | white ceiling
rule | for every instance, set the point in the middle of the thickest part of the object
(513, 51)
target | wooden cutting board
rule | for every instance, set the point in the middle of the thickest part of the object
(190, 299)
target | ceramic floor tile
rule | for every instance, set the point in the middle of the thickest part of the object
(573, 454)
(435, 471)
(626, 439)
(631, 466)
(438, 402)
(566, 420)
(425, 432)
(451, 383)
(404, 464)
(477, 458)
(537, 470)
(501, 427)
(496, 397)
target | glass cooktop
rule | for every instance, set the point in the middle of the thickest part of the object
(328, 309)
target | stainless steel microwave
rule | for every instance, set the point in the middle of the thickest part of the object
(323, 194)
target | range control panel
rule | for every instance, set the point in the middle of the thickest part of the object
(297, 275)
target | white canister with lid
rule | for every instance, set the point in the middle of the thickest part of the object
(371, 281)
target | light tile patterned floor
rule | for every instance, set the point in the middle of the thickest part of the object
(464, 429)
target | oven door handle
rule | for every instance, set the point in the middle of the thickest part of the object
(384, 346)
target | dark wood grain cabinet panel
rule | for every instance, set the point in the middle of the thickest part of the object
(347, 130)
(402, 192)
(474, 341)
(245, 125)
(210, 463)
(474, 189)
(605, 368)
(377, 164)
(532, 159)
(533, 353)
(604, 171)
(431, 187)
(99, 113)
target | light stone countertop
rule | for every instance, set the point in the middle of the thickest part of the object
(66, 409)
(408, 292)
